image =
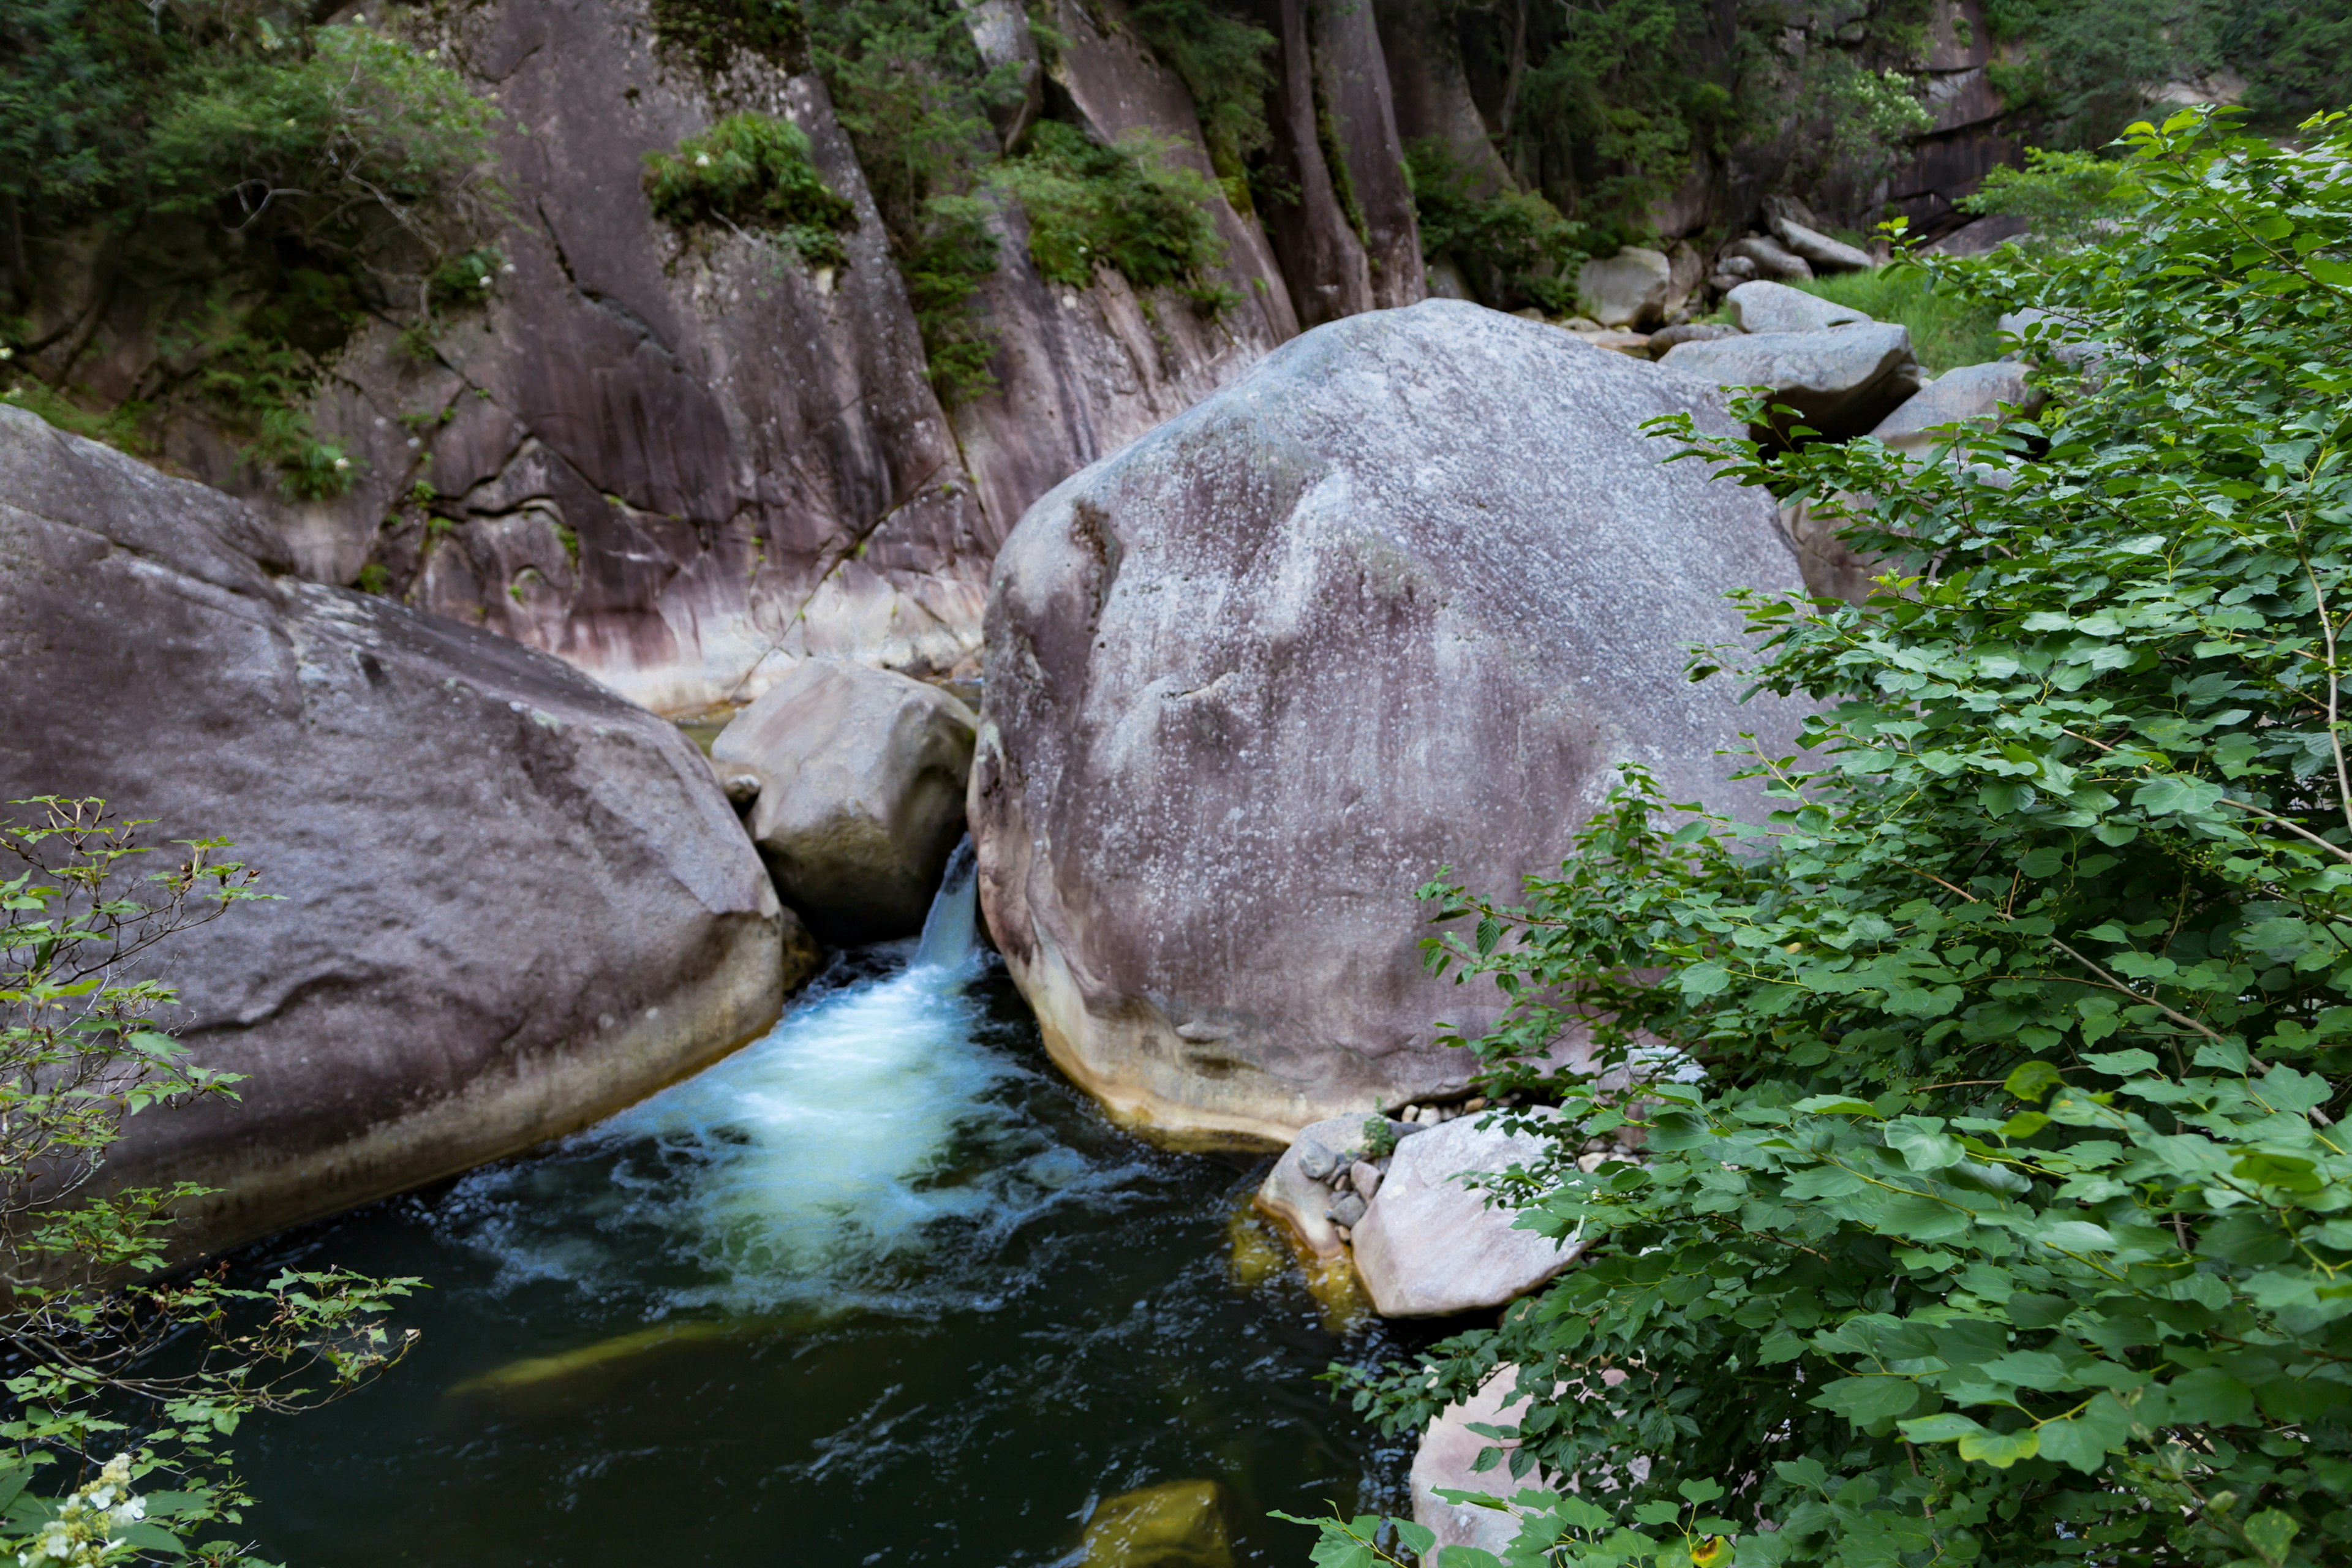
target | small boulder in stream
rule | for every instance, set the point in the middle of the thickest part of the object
(861, 783)
(509, 903)
(1429, 1245)
(1404, 597)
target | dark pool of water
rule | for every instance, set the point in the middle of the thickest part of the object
(882, 1289)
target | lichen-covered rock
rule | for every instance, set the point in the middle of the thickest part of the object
(511, 903)
(1430, 1246)
(861, 793)
(1403, 597)
(1840, 382)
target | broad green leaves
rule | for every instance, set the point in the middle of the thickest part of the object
(2013, 1208)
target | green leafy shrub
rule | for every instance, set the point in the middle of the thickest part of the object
(1515, 237)
(751, 173)
(112, 1434)
(707, 34)
(274, 181)
(1945, 330)
(916, 98)
(1129, 207)
(2065, 197)
(952, 254)
(1988, 1206)
(1225, 62)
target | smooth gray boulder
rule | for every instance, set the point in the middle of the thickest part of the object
(1840, 382)
(1818, 250)
(861, 793)
(1973, 395)
(1631, 288)
(511, 902)
(1403, 597)
(1688, 332)
(1771, 259)
(1430, 1246)
(1768, 307)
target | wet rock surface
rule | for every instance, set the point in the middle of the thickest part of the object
(511, 903)
(861, 780)
(1249, 680)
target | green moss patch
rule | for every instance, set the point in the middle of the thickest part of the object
(753, 174)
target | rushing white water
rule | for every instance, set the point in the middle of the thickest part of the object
(796, 1172)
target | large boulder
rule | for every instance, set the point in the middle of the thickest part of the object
(1431, 1246)
(861, 780)
(1403, 598)
(1633, 287)
(1840, 382)
(510, 902)
(1770, 257)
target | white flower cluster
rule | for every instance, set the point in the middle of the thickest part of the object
(84, 1534)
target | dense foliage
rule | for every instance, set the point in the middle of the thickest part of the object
(1981, 1194)
(121, 1389)
(263, 185)
(1132, 207)
(1515, 243)
(1227, 64)
(751, 173)
(1945, 330)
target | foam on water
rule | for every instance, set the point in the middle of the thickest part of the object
(800, 1170)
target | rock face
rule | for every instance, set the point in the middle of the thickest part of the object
(1631, 289)
(1768, 307)
(662, 457)
(862, 779)
(1429, 1245)
(1840, 382)
(1082, 372)
(1403, 597)
(512, 903)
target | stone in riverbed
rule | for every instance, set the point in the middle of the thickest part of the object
(861, 801)
(1347, 1209)
(512, 902)
(1365, 1177)
(1840, 382)
(1176, 1524)
(1688, 332)
(1428, 1245)
(1251, 677)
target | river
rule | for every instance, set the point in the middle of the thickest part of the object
(879, 1289)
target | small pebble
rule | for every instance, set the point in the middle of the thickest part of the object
(1429, 1116)
(1347, 1233)
(1318, 1162)
(1477, 1102)
(1347, 1210)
